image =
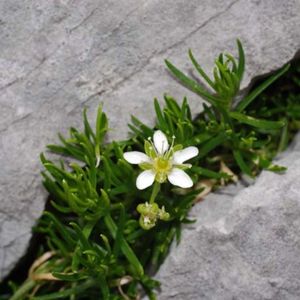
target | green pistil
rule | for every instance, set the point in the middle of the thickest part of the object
(162, 165)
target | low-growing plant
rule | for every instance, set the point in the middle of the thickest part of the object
(111, 223)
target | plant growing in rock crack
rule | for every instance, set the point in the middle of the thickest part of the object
(221, 122)
(103, 234)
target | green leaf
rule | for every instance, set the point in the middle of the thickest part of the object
(258, 123)
(241, 65)
(106, 244)
(62, 209)
(241, 163)
(212, 144)
(61, 228)
(67, 292)
(135, 130)
(58, 149)
(72, 148)
(200, 138)
(101, 126)
(200, 70)
(58, 173)
(191, 84)
(226, 76)
(146, 131)
(70, 276)
(231, 59)
(185, 110)
(249, 98)
(170, 122)
(207, 173)
(84, 241)
(126, 249)
(276, 168)
(104, 289)
(120, 228)
(87, 128)
(173, 106)
(159, 116)
(284, 138)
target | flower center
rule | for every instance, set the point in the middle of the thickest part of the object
(162, 165)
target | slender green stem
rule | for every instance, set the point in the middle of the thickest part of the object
(23, 290)
(155, 191)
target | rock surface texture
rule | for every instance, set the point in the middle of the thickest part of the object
(58, 56)
(245, 243)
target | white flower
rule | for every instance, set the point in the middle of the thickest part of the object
(162, 162)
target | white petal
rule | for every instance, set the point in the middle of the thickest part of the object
(136, 157)
(185, 154)
(160, 142)
(180, 178)
(145, 179)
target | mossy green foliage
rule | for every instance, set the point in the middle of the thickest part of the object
(96, 248)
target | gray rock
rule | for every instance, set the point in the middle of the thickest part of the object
(245, 243)
(58, 56)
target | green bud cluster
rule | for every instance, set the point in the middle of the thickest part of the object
(150, 213)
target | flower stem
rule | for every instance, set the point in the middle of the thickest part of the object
(155, 191)
(23, 290)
